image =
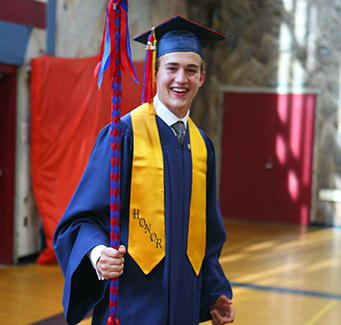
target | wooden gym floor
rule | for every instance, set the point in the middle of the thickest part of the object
(281, 275)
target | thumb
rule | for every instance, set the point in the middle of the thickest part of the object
(122, 249)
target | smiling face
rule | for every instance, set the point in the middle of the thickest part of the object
(178, 78)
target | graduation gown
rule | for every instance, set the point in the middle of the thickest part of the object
(171, 293)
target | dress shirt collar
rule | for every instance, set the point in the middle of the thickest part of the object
(166, 115)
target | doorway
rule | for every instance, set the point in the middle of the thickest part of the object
(267, 154)
(8, 84)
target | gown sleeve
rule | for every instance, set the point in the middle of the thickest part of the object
(86, 224)
(214, 282)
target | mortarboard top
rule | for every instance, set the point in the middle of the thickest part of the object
(176, 35)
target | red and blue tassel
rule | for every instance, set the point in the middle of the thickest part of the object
(110, 43)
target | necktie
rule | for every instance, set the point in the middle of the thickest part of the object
(179, 128)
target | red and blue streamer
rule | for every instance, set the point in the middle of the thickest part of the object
(116, 54)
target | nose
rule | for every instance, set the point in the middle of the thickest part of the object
(181, 77)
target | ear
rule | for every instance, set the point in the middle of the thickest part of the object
(202, 79)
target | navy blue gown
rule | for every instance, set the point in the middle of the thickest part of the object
(171, 293)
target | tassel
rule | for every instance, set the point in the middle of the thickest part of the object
(107, 54)
(149, 88)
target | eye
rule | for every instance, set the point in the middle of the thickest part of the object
(192, 71)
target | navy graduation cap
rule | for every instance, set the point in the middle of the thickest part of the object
(177, 34)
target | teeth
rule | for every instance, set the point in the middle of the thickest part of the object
(179, 90)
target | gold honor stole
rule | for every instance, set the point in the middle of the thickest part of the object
(146, 242)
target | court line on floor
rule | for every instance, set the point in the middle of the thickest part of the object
(321, 313)
(299, 292)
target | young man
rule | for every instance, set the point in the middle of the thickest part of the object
(171, 230)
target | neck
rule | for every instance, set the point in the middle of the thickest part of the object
(168, 115)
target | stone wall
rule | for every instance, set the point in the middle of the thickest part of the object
(275, 43)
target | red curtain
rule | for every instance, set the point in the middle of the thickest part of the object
(67, 113)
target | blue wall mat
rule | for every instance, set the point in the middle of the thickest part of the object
(13, 42)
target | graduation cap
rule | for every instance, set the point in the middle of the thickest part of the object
(176, 34)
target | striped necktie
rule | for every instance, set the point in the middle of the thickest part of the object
(179, 128)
